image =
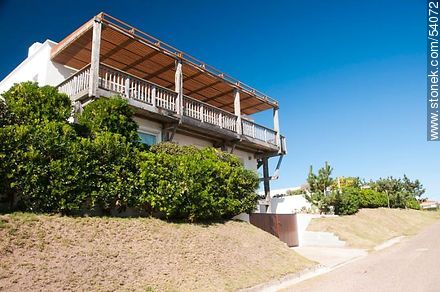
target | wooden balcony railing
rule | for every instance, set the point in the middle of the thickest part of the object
(258, 132)
(77, 83)
(207, 113)
(132, 87)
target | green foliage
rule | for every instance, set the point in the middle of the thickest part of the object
(346, 182)
(369, 198)
(319, 185)
(196, 184)
(321, 181)
(400, 191)
(345, 202)
(6, 116)
(109, 115)
(295, 192)
(49, 165)
(32, 104)
(413, 204)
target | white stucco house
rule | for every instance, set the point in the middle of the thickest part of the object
(176, 97)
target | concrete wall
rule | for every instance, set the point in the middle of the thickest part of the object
(37, 67)
(288, 204)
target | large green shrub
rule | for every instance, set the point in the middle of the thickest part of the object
(49, 165)
(110, 115)
(34, 154)
(33, 104)
(196, 184)
(345, 202)
(6, 116)
(412, 204)
(369, 198)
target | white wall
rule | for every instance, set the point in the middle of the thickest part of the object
(288, 204)
(149, 127)
(248, 159)
(189, 140)
(37, 67)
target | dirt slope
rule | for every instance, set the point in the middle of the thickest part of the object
(40, 252)
(370, 227)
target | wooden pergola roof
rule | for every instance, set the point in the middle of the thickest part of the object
(133, 51)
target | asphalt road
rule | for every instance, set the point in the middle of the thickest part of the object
(411, 265)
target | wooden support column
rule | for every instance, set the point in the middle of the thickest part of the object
(94, 60)
(178, 81)
(276, 127)
(237, 110)
(266, 178)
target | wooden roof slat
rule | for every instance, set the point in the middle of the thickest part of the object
(128, 49)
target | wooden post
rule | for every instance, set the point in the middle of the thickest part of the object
(276, 127)
(153, 95)
(178, 81)
(94, 60)
(127, 87)
(237, 110)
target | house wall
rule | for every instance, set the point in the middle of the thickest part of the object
(288, 204)
(37, 67)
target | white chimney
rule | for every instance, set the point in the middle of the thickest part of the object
(34, 48)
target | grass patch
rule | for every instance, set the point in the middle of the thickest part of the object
(145, 254)
(370, 227)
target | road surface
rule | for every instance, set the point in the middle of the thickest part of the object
(411, 265)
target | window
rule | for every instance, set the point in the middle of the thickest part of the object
(148, 139)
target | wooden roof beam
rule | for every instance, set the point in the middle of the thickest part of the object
(117, 48)
(141, 60)
(160, 71)
(204, 87)
(218, 95)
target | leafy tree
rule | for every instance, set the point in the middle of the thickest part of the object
(399, 191)
(110, 115)
(6, 116)
(33, 104)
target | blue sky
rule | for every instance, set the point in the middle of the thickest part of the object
(349, 75)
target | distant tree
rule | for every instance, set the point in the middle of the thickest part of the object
(346, 182)
(402, 193)
(319, 184)
(295, 192)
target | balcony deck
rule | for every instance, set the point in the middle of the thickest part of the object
(162, 103)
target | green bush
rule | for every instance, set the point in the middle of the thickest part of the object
(49, 165)
(196, 184)
(369, 198)
(109, 115)
(6, 116)
(345, 202)
(412, 204)
(33, 104)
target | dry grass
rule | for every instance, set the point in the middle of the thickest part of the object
(52, 253)
(370, 227)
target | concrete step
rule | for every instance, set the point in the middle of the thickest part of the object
(314, 238)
